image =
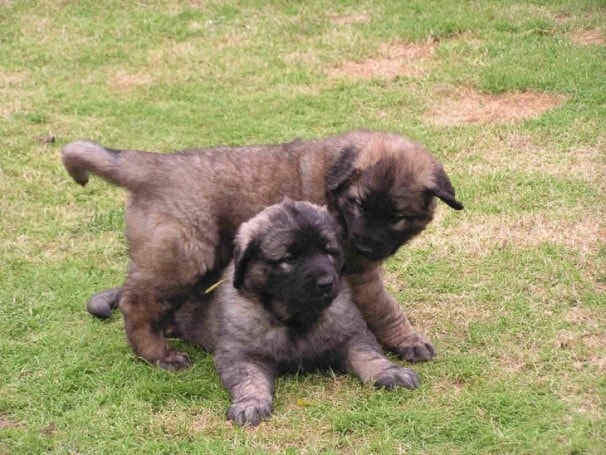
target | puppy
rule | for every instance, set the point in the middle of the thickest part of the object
(282, 307)
(183, 210)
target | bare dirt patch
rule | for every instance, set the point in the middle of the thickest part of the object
(586, 317)
(588, 37)
(6, 423)
(586, 348)
(394, 59)
(467, 106)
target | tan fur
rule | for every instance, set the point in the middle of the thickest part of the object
(183, 210)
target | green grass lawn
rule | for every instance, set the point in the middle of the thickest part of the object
(510, 95)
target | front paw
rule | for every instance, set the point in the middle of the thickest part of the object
(249, 412)
(175, 361)
(416, 348)
(397, 376)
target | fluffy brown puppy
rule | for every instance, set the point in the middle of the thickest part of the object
(183, 210)
(282, 307)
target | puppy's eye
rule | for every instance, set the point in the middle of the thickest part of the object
(401, 221)
(288, 259)
(281, 261)
(353, 201)
(333, 251)
(400, 217)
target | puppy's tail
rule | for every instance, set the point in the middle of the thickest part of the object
(125, 168)
(104, 302)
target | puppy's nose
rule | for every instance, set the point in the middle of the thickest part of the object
(325, 283)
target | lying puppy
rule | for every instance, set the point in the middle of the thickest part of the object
(183, 210)
(282, 307)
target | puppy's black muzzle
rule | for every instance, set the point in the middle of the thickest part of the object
(324, 278)
(325, 284)
(371, 251)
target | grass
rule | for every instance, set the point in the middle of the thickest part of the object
(512, 290)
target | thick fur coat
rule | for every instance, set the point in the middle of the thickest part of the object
(184, 208)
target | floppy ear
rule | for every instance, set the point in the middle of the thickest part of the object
(241, 260)
(443, 190)
(342, 170)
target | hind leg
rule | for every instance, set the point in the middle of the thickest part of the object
(148, 307)
(144, 315)
(167, 261)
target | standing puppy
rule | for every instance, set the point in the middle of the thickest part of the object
(281, 307)
(183, 210)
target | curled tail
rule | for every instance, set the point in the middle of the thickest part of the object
(104, 302)
(124, 168)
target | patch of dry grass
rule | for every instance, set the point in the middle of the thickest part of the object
(361, 18)
(123, 81)
(468, 106)
(588, 37)
(479, 235)
(394, 59)
(11, 85)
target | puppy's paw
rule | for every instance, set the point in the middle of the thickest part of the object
(249, 412)
(416, 348)
(175, 361)
(397, 376)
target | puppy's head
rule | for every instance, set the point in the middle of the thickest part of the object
(289, 258)
(383, 187)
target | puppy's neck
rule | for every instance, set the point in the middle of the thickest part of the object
(296, 322)
(356, 263)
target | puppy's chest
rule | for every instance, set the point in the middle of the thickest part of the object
(296, 347)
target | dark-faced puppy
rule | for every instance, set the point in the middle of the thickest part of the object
(183, 210)
(384, 189)
(282, 307)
